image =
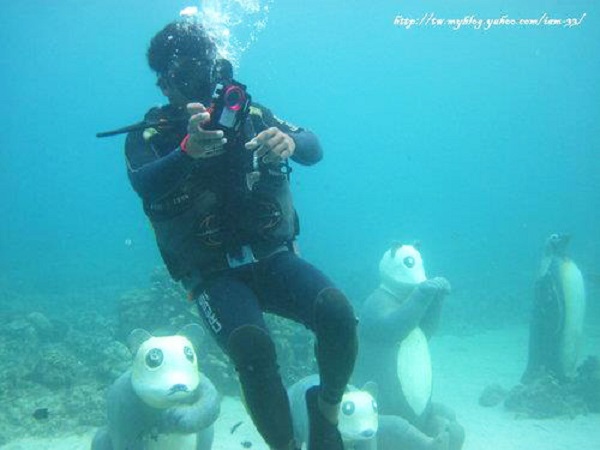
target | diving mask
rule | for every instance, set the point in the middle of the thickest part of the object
(193, 77)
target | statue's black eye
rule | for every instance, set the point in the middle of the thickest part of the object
(409, 262)
(189, 353)
(348, 408)
(374, 404)
(154, 358)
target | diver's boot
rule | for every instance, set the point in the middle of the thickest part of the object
(322, 434)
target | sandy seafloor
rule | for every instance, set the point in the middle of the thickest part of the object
(463, 366)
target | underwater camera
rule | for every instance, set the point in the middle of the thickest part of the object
(230, 104)
(229, 107)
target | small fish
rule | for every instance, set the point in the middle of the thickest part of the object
(41, 414)
(235, 427)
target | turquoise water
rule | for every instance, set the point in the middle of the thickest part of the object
(479, 143)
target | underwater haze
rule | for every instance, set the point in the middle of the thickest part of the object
(479, 143)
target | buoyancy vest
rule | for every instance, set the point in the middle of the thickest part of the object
(213, 212)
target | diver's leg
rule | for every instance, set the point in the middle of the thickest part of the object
(336, 344)
(231, 310)
(295, 289)
(254, 355)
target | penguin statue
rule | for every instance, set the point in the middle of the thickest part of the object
(556, 326)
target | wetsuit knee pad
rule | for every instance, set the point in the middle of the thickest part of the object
(334, 315)
(337, 342)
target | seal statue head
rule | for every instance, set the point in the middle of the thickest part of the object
(165, 369)
(401, 266)
(359, 418)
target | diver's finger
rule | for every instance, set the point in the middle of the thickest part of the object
(252, 144)
(209, 135)
(195, 108)
(267, 134)
(285, 153)
(196, 121)
(275, 140)
(281, 148)
(262, 151)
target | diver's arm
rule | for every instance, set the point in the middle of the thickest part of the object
(308, 149)
(151, 175)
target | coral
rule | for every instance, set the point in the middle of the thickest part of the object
(63, 360)
(42, 325)
(162, 309)
(295, 348)
(588, 383)
(545, 397)
(56, 367)
(115, 358)
(86, 405)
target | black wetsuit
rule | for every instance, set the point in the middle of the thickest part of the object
(203, 212)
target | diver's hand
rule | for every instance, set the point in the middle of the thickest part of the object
(202, 143)
(272, 145)
(435, 288)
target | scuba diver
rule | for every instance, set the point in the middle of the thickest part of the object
(212, 170)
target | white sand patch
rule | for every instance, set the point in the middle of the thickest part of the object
(232, 413)
(464, 366)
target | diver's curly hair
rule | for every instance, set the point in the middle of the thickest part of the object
(180, 38)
